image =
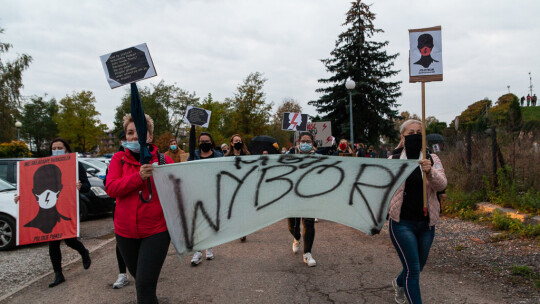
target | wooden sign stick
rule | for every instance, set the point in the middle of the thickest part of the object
(424, 185)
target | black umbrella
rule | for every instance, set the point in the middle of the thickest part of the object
(137, 113)
(434, 137)
(263, 143)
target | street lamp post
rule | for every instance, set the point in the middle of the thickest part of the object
(350, 86)
(18, 125)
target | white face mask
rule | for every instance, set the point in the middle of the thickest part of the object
(47, 199)
(58, 152)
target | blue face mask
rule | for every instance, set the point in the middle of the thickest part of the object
(305, 147)
(132, 145)
(58, 152)
(173, 147)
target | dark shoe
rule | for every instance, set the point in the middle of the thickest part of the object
(58, 279)
(86, 261)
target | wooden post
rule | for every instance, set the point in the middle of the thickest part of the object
(424, 185)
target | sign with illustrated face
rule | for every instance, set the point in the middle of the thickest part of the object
(294, 122)
(128, 65)
(425, 55)
(48, 199)
(197, 116)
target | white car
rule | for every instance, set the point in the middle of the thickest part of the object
(8, 215)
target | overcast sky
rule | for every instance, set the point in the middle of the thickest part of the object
(210, 46)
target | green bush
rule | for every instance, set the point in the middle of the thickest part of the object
(509, 195)
(14, 149)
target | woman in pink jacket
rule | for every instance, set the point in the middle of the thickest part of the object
(411, 231)
(141, 231)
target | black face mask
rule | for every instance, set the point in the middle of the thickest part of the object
(205, 147)
(413, 145)
(238, 146)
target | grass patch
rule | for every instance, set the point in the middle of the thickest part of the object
(526, 272)
(504, 222)
(530, 113)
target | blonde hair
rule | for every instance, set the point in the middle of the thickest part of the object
(149, 122)
(406, 123)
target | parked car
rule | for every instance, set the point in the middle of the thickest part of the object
(96, 201)
(8, 215)
(94, 167)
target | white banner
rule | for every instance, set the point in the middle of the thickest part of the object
(211, 202)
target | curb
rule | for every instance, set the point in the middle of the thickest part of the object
(490, 208)
(97, 247)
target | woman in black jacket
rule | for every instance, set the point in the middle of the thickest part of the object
(59, 147)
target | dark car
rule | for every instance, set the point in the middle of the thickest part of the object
(95, 201)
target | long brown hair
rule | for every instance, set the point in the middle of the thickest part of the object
(243, 151)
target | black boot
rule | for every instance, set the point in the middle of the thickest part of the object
(58, 279)
(86, 261)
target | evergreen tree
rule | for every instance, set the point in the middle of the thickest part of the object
(366, 62)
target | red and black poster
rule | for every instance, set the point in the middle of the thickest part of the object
(48, 199)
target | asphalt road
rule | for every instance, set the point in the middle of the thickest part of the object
(351, 268)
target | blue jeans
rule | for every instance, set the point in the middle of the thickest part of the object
(412, 240)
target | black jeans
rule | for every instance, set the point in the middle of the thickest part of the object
(56, 255)
(309, 231)
(144, 259)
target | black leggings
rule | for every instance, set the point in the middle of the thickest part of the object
(144, 259)
(119, 259)
(309, 231)
(56, 255)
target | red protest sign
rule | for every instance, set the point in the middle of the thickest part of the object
(48, 199)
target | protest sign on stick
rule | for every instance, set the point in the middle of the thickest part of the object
(425, 65)
(128, 65)
(243, 194)
(322, 133)
(48, 199)
(197, 116)
(294, 122)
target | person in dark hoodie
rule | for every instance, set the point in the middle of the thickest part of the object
(47, 187)
(206, 150)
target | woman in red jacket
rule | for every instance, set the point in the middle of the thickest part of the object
(141, 231)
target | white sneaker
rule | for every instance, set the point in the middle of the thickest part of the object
(309, 260)
(121, 281)
(295, 246)
(196, 259)
(399, 293)
(209, 254)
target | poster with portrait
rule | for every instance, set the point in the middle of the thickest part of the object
(425, 55)
(48, 199)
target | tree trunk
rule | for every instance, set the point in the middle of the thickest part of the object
(469, 149)
(494, 149)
